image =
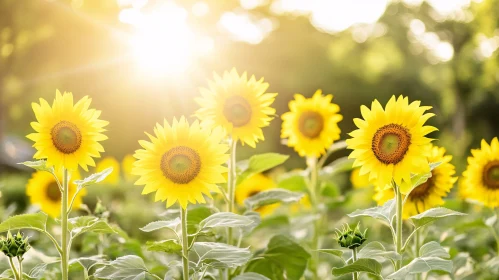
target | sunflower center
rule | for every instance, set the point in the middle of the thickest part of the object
(390, 143)
(491, 175)
(311, 124)
(422, 191)
(66, 137)
(237, 111)
(53, 193)
(181, 164)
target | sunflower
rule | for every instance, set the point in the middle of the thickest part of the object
(254, 185)
(181, 163)
(389, 144)
(67, 135)
(42, 189)
(126, 166)
(311, 125)
(114, 177)
(239, 105)
(430, 193)
(359, 181)
(481, 177)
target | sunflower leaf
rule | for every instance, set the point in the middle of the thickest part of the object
(40, 165)
(225, 219)
(251, 276)
(272, 196)
(258, 164)
(432, 215)
(170, 246)
(375, 249)
(172, 224)
(433, 249)
(219, 255)
(386, 212)
(370, 266)
(94, 178)
(123, 268)
(419, 179)
(83, 224)
(422, 265)
(36, 221)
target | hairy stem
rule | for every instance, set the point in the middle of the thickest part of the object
(312, 164)
(185, 244)
(417, 244)
(398, 230)
(14, 269)
(231, 184)
(355, 274)
(64, 225)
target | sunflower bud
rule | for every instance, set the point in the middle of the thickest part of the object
(350, 238)
(14, 246)
(101, 210)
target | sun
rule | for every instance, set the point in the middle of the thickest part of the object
(389, 143)
(481, 177)
(181, 162)
(238, 104)
(311, 125)
(67, 135)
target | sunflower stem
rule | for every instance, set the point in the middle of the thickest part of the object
(417, 244)
(398, 229)
(64, 225)
(185, 244)
(312, 164)
(231, 184)
(20, 261)
(354, 258)
(14, 269)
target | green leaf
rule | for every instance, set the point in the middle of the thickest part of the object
(422, 265)
(253, 216)
(38, 271)
(419, 179)
(225, 219)
(87, 262)
(172, 224)
(288, 255)
(338, 166)
(375, 249)
(170, 246)
(36, 221)
(123, 268)
(433, 249)
(272, 196)
(370, 266)
(259, 163)
(196, 215)
(250, 276)
(220, 255)
(432, 215)
(334, 252)
(386, 212)
(293, 181)
(40, 165)
(94, 178)
(83, 224)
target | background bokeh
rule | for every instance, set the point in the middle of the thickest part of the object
(142, 61)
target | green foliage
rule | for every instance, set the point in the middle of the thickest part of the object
(258, 164)
(386, 212)
(94, 178)
(170, 246)
(39, 165)
(375, 249)
(282, 255)
(421, 265)
(272, 196)
(350, 238)
(432, 215)
(225, 219)
(250, 276)
(219, 255)
(14, 245)
(123, 268)
(36, 221)
(172, 225)
(83, 224)
(370, 266)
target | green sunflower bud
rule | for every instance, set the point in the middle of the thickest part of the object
(350, 238)
(101, 210)
(14, 246)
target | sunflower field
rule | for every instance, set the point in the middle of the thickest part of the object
(249, 139)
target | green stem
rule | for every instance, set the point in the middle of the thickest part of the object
(20, 261)
(398, 229)
(14, 269)
(231, 184)
(64, 225)
(417, 244)
(185, 244)
(496, 237)
(312, 163)
(355, 274)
